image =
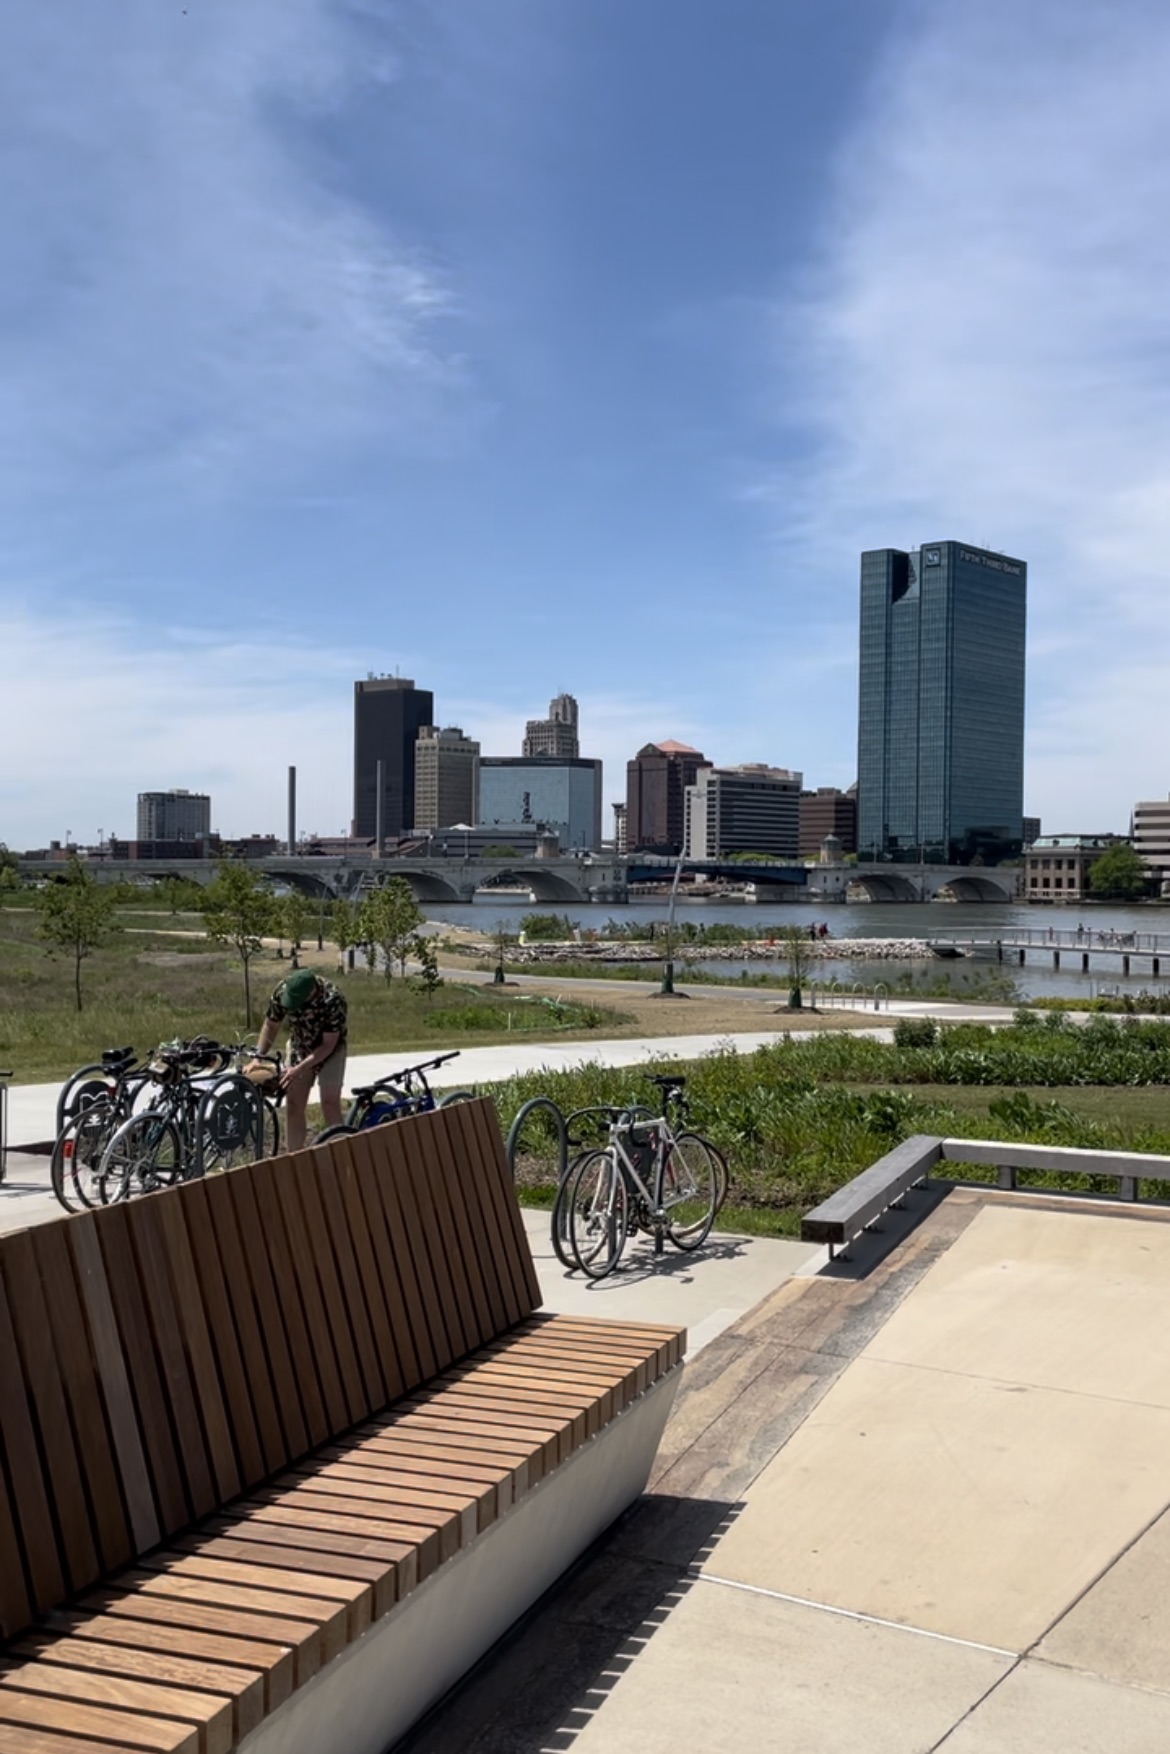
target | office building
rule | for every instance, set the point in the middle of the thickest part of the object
(620, 839)
(1151, 836)
(446, 778)
(562, 795)
(388, 714)
(1057, 866)
(827, 811)
(556, 735)
(656, 785)
(174, 816)
(748, 809)
(941, 710)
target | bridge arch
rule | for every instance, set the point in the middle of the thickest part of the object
(545, 885)
(981, 887)
(427, 885)
(887, 885)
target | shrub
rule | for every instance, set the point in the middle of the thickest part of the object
(915, 1032)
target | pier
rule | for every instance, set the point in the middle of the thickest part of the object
(1071, 947)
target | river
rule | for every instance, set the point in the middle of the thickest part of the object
(881, 920)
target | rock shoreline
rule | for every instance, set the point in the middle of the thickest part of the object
(757, 950)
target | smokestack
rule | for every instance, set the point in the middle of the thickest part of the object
(292, 812)
(380, 814)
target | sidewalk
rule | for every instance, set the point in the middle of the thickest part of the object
(32, 1107)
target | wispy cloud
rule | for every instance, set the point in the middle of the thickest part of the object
(190, 279)
(982, 352)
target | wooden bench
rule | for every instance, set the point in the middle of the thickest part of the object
(282, 1452)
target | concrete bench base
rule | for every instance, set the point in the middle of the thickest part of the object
(369, 1696)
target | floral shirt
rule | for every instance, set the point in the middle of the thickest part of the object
(325, 1013)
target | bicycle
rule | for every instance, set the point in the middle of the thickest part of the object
(648, 1177)
(398, 1094)
(204, 1117)
(90, 1110)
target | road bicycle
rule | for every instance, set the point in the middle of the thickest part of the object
(648, 1177)
(391, 1098)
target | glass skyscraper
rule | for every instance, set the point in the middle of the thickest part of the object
(941, 712)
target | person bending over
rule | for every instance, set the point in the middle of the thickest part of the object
(316, 1014)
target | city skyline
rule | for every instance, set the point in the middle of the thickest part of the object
(392, 336)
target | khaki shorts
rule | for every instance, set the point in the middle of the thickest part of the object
(330, 1077)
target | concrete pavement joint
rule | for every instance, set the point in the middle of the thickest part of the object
(753, 1589)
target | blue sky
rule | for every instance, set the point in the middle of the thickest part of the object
(529, 345)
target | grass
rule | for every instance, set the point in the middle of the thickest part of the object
(148, 985)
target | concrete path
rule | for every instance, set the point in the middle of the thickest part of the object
(32, 1107)
(925, 1508)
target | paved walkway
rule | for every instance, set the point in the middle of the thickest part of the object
(924, 1508)
(32, 1107)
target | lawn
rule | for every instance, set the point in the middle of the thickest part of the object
(159, 979)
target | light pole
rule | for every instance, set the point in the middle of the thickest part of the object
(666, 990)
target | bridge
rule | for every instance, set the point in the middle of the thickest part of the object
(576, 878)
(1081, 948)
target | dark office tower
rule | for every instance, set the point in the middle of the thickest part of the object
(656, 790)
(388, 714)
(941, 715)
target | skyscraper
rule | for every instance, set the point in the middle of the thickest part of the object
(749, 809)
(177, 815)
(656, 784)
(556, 735)
(941, 709)
(446, 778)
(388, 714)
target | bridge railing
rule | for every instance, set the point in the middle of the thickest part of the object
(1059, 938)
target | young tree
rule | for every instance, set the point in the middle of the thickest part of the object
(239, 911)
(294, 920)
(343, 925)
(427, 957)
(798, 954)
(1119, 875)
(75, 916)
(389, 919)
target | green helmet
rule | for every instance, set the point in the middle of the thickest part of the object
(298, 989)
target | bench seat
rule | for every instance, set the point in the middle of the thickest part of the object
(300, 1586)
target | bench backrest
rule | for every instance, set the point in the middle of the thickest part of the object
(160, 1357)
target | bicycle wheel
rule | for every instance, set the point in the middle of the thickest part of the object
(77, 1156)
(341, 1131)
(145, 1153)
(270, 1129)
(690, 1190)
(562, 1241)
(229, 1125)
(597, 1214)
(451, 1097)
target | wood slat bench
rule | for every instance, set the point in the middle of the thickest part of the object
(282, 1452)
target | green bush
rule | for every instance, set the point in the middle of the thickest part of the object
(915, 1032)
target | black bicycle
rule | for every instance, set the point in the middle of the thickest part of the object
(392, 1098)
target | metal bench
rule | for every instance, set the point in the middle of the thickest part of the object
(282, 1452)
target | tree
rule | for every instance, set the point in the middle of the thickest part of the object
(343, 925)
(75, 916)
(1119, 875)
(389, 919)
(294, 920)
(427, 957)
(238, 910)
(798, 954)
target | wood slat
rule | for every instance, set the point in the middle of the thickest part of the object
(472, 1202)
(294, 1646)
(113, 1377)
(312, 1566)
(336, 1300)
(433, 1145)
(323, 1352)
(191, 1308)
(165, 1330)
(322, 1623)
(399, 1281)
(170, 1496)
(241, 1691)
(483, 1126)
(365, 1305)
(229, 1355)
(256, 1307)
(263, 1669)
(125, 1729)
(209, 1714)
(95, 1455)
(29, 1741)
(272, 1238)
(414, 1236)
(46, 1393)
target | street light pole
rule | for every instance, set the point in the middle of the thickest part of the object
(666, 990)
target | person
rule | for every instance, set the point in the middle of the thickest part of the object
(316, 1013)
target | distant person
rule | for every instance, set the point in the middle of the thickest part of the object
(316, 1013)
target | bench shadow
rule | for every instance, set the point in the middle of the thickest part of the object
(543, 1682)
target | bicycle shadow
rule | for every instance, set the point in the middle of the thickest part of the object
(639, 1262)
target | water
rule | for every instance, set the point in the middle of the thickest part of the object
(881, 920)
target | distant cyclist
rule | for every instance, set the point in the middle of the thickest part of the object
(316, 1014)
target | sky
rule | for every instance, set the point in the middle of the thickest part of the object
(578, 345)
